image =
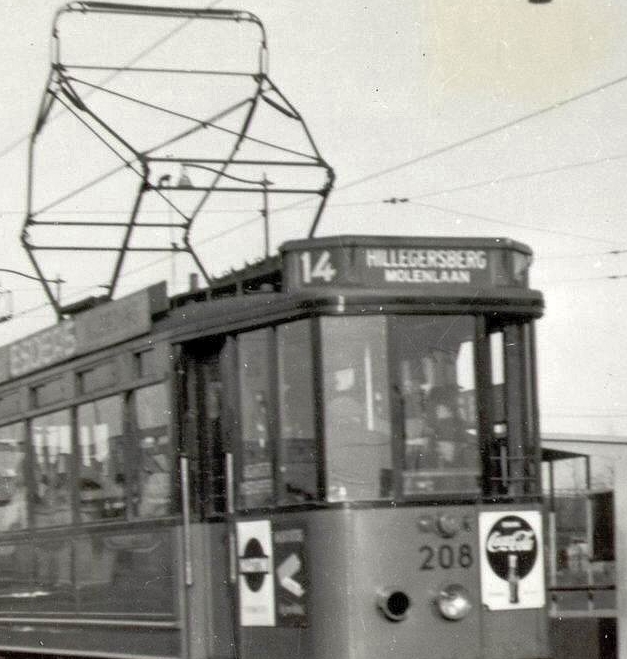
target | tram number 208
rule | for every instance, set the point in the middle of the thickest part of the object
(445, 557)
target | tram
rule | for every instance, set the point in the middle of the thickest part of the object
(331, 454)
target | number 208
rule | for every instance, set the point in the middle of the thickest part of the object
(445, 557)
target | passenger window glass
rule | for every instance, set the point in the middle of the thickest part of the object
(497, 359)
(13, 501)
(155, 451)
(211, 428)
(435, 385)
(298, 466)
(256, 486)
(52, 448)
(356, 408)
(101, 466)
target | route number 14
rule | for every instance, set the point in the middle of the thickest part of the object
(322, 268)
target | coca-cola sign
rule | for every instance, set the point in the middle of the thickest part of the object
(522, 540)
(511, 535)
(512, 559)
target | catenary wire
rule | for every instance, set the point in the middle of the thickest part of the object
(406, 163)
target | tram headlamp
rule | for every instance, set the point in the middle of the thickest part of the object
(453, 602)
(393, 603)
(448, 525)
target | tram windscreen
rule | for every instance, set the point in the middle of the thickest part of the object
(411, 378)
(435, 385)
(358, 431)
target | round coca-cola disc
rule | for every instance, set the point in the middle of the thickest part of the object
(511, 536)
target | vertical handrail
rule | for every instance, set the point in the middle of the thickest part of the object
(187, 549)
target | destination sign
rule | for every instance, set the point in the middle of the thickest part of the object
(427, 266)
(405, 263)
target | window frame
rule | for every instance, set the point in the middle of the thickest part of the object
(519, 374)
(522, 456)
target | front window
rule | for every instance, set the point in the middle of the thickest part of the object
(358, 432)
(383, 407)
(298, 464)
(407, 377)
(434, 382)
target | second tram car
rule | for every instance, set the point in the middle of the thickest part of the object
(331, 455)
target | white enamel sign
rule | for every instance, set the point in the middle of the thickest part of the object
(255, 566)
(512, 560)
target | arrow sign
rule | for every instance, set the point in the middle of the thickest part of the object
(286, 571)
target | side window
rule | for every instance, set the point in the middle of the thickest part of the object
(13, 499)
(52, 451)
(256, 484)
(512, 450)
(101, 478)
(298, 464)
(498, 445)
(155, 451)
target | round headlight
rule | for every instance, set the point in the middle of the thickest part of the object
(453, 602)
(448, 525)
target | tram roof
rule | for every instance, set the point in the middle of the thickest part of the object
(351, 274)
(427, 242)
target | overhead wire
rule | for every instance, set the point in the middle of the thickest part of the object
(492, 220)
(431, 154)
(523, 175)
(486, 133)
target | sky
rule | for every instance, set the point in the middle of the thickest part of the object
(491, 117)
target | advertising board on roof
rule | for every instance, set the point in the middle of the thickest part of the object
(109, 324)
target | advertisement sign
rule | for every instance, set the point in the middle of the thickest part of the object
(291, 576)
(91, 330)
(49, 346)
(512, 563)
(273, 578)
(255, 566)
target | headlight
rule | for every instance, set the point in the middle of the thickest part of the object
(453, 602)
(448, 525)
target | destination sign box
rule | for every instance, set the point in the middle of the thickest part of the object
(384, 262)
(105, 325)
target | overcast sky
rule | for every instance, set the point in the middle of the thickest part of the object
(493, 117)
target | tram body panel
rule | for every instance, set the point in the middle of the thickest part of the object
(123, 602)
(391, 553)
(208, 610)
(353, 557)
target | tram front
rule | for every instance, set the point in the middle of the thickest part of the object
(411, 523)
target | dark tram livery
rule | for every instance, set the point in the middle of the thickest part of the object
(332, 454)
